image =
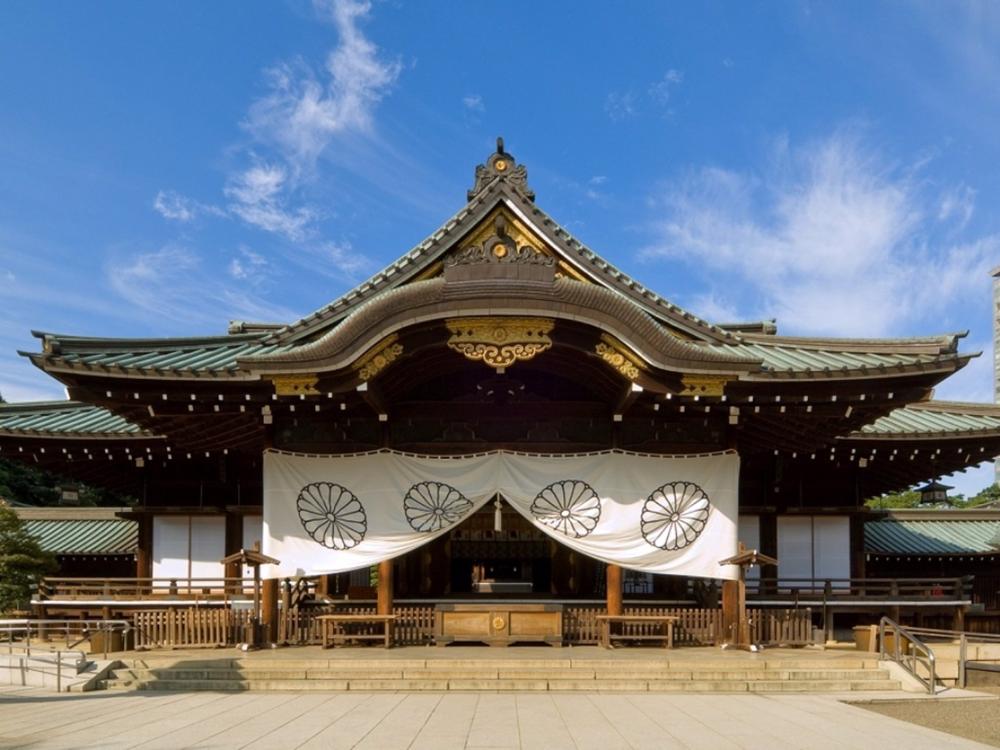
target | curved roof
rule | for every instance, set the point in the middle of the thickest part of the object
(940, 536)
(935, 419)
(65, 419)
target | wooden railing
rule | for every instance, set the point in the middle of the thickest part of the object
(415, 623)
(876, 589)
(120, 589)
(190, 628)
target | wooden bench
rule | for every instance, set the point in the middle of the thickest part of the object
(334, 630)
(664, 621)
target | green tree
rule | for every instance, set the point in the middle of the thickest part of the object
(22, 562)
(908, 499)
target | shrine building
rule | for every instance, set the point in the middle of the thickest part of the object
(500, 413)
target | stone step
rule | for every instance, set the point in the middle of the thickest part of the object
(470, 685)
(146, 675)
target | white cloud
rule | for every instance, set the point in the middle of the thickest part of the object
(304, 110)
(621, 105)
(474, 103)
(258, 197)
(172, 205)
(170, 283)
(248, 266)
(661, 91)
(829, 238)
(958, 205)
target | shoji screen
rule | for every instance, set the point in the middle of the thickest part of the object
(208, 546)
(831, 547)
(170, 547)
(795, 551)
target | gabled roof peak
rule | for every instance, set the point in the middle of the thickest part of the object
(501, 167)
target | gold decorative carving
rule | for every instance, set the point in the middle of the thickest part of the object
(500, 342)
(614, 354)
(379, 357)
(703, 385)
(302, 384)
(516, 230)
(498, 622)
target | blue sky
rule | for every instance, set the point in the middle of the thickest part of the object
(165, 168)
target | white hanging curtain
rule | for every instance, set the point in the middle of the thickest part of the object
(657, 514)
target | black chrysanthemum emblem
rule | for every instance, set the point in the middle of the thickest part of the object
(432, 506)
(332, 515)
(674, 515)
(570, 506)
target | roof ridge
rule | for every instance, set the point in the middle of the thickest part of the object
(178, 342)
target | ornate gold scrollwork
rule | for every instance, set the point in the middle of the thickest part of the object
(302, 384)
(703, 385)
(499, 342)
(378, 357)
(614, 354)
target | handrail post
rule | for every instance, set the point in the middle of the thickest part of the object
(962, 655)
(58, 671)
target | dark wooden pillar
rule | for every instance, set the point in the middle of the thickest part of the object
(144, 548)
(384, 592)
(768, 530)
(234, 543)
(857, 541)
(614, 579)
(269, 608)
(734, 625)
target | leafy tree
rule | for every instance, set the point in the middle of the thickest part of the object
(32, 486)
(22, 562)
(908, 499)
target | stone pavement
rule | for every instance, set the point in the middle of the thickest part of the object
(432, 721)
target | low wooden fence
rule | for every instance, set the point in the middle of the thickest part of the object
(190, 628)
(695, 626)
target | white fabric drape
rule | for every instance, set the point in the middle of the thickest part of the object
(658, 514)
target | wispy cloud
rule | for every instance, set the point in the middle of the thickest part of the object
(304, 108)
(474, 103)
(171, 283)
(828, 237)
(621, 105)
(172, 205)
(258, 196)
(661, 91)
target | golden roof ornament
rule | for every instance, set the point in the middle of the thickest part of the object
(501, 166)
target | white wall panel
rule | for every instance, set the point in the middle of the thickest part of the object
(832, 546)
(208, 546)
(795, 547)
(170, 546)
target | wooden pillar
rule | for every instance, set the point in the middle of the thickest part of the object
(269, 608)
(734, 625)
(614, 579)
(234, 543)
(384, 593)
(144, 548)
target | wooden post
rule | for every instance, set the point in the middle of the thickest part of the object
(384, 605)
(269, 608)
(735, 630)
(233, 544)
(614, 581)
(144, 552)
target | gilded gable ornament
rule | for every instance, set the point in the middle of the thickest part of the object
(502, 166)
(614, 354)
(499, 342)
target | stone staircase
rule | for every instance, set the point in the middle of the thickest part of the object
(739, 674)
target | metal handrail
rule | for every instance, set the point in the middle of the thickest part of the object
(24, 628)
(911, 659)
(39, 660)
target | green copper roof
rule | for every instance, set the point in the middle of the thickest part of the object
(193, 357)
(933, 537)
(64, 418)
(110, 537)
(935, 419)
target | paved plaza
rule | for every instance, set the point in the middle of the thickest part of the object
(46, 721)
